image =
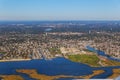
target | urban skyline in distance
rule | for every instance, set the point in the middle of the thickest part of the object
(59, 10)
(59, 39)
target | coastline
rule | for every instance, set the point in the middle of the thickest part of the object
(116, 73)
(95, 73)
(10, 60)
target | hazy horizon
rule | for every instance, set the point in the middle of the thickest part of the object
(52, 10)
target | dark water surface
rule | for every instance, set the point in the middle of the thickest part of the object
(56, 66)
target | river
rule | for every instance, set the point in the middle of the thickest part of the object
(102, 53)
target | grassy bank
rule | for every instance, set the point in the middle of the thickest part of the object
(91, 60)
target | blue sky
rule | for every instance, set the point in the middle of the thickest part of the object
(59, 9)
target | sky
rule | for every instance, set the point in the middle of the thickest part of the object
(59, 9)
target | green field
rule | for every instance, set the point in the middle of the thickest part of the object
(91, 60)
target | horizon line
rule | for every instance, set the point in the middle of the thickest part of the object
(62, 20)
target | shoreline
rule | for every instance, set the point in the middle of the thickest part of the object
(15, 60)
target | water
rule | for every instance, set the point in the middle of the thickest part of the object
(56, 66)
(48, 29)
(102, 53)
